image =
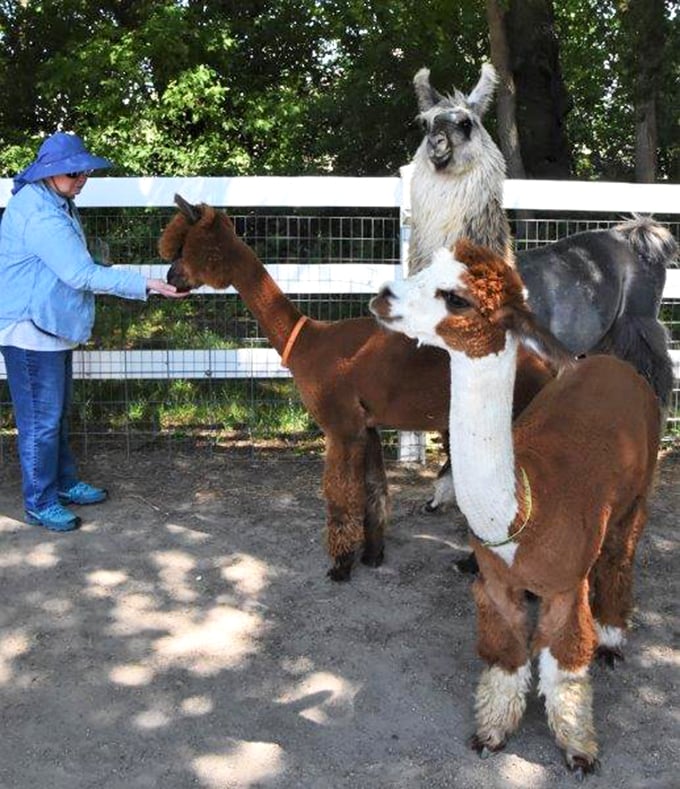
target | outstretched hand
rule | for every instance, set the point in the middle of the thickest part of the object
(164, 289)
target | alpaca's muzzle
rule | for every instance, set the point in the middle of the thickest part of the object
(175, 277)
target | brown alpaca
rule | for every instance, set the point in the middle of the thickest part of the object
(556, 502)
(352, 375)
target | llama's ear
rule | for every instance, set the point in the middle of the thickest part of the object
(426, 95)
(481, 95)
(522, 322)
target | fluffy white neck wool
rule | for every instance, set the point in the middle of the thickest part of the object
(482, 457)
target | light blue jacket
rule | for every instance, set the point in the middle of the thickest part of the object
(46, 273)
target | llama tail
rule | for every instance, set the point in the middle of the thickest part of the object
(638, 336)
(652, 241)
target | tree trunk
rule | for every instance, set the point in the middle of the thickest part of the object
(542, 99)
(645, 141)
(508, 135)
(644, 26)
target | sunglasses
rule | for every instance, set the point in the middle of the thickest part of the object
(80, 174)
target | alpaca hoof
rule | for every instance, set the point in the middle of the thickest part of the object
(468, 565)
(342, 568)
(430, 507)
(339, 574)
(609, 656)
(373, 558)
(581, 766)
(483, 748)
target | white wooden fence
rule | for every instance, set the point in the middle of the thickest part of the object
(326, 192)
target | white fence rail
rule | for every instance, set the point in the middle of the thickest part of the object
(388, 192)
(323, 191)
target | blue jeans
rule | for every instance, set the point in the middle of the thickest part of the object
(41, 385)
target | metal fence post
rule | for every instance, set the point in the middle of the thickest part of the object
(411, 444)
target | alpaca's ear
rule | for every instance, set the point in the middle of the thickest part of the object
(481, 95)
(466, 251)
(426, 95)
(522, 323)
(191, 212)
(172, 239)
(207, 214)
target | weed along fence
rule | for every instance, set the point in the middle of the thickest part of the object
(199, 370)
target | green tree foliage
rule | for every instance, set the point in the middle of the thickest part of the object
(597, 50)
(218, 87)
(373, 51)
(163, 87)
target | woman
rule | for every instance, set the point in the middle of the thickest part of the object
(48, 280)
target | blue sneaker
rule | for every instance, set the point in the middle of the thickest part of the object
(54, 517)
(82, 493)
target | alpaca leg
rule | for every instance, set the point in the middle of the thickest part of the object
(444, 493)
(612, 581)
(569, 707)
(499, 705)
(566, 641)
(377, 502)
(502, 642)
(345, 494)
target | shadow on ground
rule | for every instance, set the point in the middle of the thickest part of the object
(187, 636)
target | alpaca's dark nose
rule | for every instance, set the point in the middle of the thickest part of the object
(385, 292)
(175, 277)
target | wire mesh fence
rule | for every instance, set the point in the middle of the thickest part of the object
(173, 373)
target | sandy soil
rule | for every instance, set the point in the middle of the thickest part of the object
(187, 636)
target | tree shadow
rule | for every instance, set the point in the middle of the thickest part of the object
(188, 636)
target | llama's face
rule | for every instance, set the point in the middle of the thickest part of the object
(454, 304)
(454, 136)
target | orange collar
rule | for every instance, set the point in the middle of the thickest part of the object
(291, 339)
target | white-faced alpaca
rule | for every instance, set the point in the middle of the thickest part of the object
(598, 291)
(555, 502)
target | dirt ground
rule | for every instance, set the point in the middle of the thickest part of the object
(187, 636)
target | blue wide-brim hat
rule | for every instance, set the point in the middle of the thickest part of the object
(59, 154)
